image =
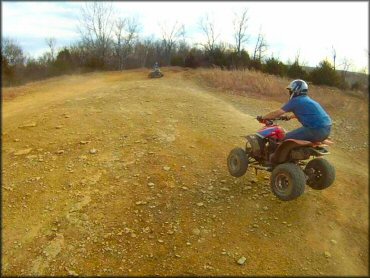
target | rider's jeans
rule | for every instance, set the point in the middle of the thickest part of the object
(309, 134)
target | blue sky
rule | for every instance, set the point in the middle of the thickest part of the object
(310, 28)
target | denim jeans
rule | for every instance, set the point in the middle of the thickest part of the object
(309, 134)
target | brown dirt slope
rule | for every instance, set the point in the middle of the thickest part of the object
(117, 174)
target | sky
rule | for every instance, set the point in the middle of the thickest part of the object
(310, 29)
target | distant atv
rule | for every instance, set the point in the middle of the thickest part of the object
(155, 73)
(266, 150)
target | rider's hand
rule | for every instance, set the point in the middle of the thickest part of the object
(259, 118)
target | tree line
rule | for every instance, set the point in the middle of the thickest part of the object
(107, 44)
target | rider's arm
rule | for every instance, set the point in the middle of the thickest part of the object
(273, 114)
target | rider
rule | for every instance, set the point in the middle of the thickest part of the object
(156, 67)
(316, 123)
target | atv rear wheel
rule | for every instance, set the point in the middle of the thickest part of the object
(237, 162)
(287, 181)
(321, 174)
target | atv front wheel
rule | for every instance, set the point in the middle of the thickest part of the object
(321, 174)
(154, 74)
(237, 162)
(287, 181)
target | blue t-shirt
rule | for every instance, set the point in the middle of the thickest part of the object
(308, 112)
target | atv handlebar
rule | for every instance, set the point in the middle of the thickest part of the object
(270, 121)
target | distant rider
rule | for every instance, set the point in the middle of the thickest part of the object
(156, 67)
(316, 123)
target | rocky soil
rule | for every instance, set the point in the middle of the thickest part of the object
(118, 174)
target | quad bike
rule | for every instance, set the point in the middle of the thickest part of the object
(266, 150)
(155, 73)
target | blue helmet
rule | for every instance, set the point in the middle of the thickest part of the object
(297, 87)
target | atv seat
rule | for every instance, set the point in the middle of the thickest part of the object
(324, 143)
(284, 147)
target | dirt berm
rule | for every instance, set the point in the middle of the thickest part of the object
(118, 174)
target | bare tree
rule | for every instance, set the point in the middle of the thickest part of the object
(222, 47)
(334, 53)
(170, 37)
(96, 27)
(260, 48)
(297, 56)
(12, 62)
(51, 43)
(240, 26)
(207, 25)
(183, 46)
(118, 32)
(125, 33)
(12, 52)
(346, 65)
(297, 59)
(143, 49)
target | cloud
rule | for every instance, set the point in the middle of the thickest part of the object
(39, 20)
(310, 28)
(313, 28)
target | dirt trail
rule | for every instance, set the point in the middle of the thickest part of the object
(117, 174)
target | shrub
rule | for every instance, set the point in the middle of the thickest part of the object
(64, 61)
(7, 72)
(325, 74)
(237, 61)
(275, 67)
(193, 59)
(255, 64)
(94, 63)
(295, 71)
(177, 60)
(358, 86)
(219, 57)
(35, 70)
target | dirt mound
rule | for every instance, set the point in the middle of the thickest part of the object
(116, 174)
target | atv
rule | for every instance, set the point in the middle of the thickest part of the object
(155, 73)
(285, 159)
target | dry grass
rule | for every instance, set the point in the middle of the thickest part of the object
(245, 82)
(260, 85)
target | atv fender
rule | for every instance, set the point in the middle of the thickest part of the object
(256, 144)
(281, 154)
